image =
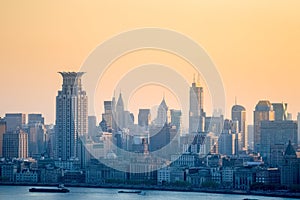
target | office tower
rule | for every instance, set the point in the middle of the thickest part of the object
(214, 123)
(280, 110)
(108, 116)
(176, 119)
(144, 118)
(230, 140)
(250, 131)
(238, 113)
(163, 114)
(298, 120)
(120, 114)
(159, 137)
(15, 144)
(35, 118)
(14, 121)
(92, 126)
(263, 111)
(71, 117)
(196, 112)
(2, 131)
(275, 137)
(36, 139)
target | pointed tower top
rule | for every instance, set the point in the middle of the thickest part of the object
(290, 151)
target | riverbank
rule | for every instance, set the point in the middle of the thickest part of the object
(170, 188)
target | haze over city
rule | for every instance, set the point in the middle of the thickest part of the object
(254, 45)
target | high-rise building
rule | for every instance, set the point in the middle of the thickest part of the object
(108, 115)
(35, 118)
(36, 139)
(176, 119)
(14, 121)
(71, 118)
(280, 110)
(275, 137)
(92, 126)
(250, 131)
(263, 112)
(163, 114)
(15, 144)
(120, 113)
(238, 113)
(196, 112)
(2, 131)
(144, 117)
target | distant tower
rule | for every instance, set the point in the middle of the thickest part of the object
(196, 114)
(162, 114)
(280, 110)
(120, 113)
(71, 117)
(144, 118)
(263, 112)
(176, 119)
(14, 121)
(238, 113)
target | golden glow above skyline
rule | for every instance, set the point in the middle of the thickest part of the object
(255, 45)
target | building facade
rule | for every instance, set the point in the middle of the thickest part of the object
(71, 117)
(263, 112)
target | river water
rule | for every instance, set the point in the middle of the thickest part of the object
(21, 192)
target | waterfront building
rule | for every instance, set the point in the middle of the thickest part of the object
(14, 121)
(2, 131)
(15, 144)
(71, 118)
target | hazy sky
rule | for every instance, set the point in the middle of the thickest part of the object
(254, 44)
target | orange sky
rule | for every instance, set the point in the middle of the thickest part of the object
(254, 44)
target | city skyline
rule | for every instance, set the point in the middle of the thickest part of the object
(247, 41)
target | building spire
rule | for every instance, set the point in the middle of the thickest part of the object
(194, 81)
(235, 100)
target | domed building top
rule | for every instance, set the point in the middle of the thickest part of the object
(264, 105)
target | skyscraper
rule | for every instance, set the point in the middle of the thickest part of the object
(238, 113)
(35, 118)
(163, 114)
(176, 119)
(92, 126)
(196, 112)
(71, 117)
(107, 116)
(15, 144)
(120, 114)
(280, 110)
(14, 121)
(263, 112)
(275, 137)
(144, 117)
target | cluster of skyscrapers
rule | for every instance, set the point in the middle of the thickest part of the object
(76, 137)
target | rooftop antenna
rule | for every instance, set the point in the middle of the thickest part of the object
(235, 100)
